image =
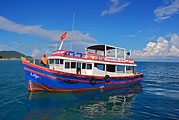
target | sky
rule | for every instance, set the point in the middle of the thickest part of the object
(150, 28)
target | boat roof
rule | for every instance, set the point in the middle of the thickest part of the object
(102, 47)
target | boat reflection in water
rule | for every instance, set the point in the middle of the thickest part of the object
(113, 103)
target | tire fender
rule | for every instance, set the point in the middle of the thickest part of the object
(107, 78)
(92, 80)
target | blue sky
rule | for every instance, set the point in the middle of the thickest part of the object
(148, 27)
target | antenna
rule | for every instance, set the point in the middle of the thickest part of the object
(56, 46)
(73, 25)
(73, 21)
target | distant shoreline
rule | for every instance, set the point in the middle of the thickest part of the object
(10, 59)
(15, 59)
(12, 55)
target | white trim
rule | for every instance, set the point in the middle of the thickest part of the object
(90, 61)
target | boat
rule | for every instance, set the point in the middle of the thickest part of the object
(100, 67)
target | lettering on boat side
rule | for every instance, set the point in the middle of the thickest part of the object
(114, 59)
(34, 75)
(75, 54)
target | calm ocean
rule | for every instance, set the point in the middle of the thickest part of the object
(157, 97)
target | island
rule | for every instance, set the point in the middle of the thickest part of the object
(12, 55)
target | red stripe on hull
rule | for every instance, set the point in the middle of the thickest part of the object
(77, 81)
(33, 87)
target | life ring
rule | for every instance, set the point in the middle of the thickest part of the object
(92, 80)
(107, 78)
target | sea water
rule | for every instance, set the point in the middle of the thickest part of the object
(156, 97)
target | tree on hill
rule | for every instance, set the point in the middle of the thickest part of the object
(12, 54)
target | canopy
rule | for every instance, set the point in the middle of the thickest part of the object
(101, 47)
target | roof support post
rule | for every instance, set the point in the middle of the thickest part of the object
(115, 52)
(105, 51)
(125, 69)
(124, 54)
(105, 68)
(86, 49)
(116, 69)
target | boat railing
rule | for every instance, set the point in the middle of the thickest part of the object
(130, 60)
(93, 56)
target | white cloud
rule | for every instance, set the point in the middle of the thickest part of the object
(152, 38)
(175, 40)
(4, 47)
(47, 52)
(133, 35)
(157, 49)
(115, 7)
(36, 30)
(36, 53)
(173, 51)
(78, 36)
(152, 29)
(162, 48)
(53, 37)
(129, 35)
(139, 31)
(165, 12)
(10, 26)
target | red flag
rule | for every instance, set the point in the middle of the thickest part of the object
(108, 52)
(63, 36)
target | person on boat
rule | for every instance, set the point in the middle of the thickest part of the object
(43, 61)
(129, 68)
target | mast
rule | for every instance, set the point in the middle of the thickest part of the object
(73, 25)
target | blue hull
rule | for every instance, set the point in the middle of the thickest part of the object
(43, 79)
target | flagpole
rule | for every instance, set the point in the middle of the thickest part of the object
(61, 45)
(130, 53)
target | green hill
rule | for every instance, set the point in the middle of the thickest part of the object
(12, 54)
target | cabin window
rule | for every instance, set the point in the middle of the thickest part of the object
(99, 66)
(89, 66)
(51, 61)
(128, 68)
(61, 61)
(83, 65)
(56, 61)
(110, 68)
(120, 68)
(73, 64)
(67, 64)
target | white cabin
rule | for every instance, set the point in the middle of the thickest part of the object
(98, 60)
